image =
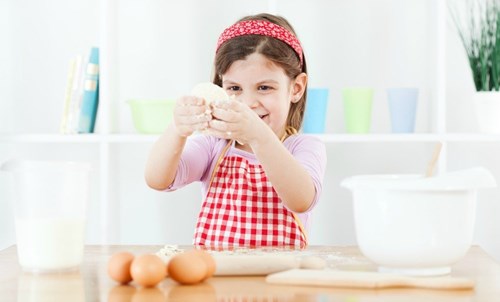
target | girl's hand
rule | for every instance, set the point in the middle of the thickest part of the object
(235, 120)
(190, 115)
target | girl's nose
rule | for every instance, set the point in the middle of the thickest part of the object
(250, 100)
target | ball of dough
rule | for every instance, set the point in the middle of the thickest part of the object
(210, 92)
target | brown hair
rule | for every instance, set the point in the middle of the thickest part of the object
(279, 52)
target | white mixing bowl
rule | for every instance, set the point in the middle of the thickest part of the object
(414, 225)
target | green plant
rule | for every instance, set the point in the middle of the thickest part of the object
(478, 25)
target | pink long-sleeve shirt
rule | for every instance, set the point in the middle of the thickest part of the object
(202, 151)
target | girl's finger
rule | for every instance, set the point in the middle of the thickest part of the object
(201, 126)
(226, 115)
(188, 129)
(190, 100)
(229, 105)
(193, 119)
(191, 110)
(222, 126)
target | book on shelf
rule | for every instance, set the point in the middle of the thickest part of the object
(67, 97)
(81, 95)
(90, 96)
(76, 95)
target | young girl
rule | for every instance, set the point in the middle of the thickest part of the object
(260, 178)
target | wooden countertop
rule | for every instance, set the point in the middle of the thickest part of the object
(92, 283)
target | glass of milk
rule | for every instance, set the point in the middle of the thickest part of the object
(50, 212)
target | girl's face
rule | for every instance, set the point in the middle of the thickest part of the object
(264, 87)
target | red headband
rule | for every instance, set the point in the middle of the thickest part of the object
(263, 28)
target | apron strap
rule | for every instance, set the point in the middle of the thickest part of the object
(301, 226)
(288, 132)
(219, 160)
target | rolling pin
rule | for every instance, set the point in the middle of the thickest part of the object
(264, 264)
(372, 280)
(253, 265)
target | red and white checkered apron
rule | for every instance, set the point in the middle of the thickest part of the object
(243, 209)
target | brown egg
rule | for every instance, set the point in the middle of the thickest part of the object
(147, 270)
(119, 267)
(187, 268)
(209, 261)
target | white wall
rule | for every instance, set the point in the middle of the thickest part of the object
(165, 47)
(6, 221)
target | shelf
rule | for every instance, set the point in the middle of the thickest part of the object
(327, 138)
(77, 138)
(380, 137)
(418, 137)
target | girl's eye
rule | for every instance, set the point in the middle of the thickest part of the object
(264, 87)
(233, 88)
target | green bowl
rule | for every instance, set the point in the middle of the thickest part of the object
(151, 116)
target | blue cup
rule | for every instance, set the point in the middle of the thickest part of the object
(315, 113)
(402, 107)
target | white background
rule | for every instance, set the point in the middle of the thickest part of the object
(163, 48)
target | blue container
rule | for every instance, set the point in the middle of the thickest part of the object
(402, 107)
(315, 114)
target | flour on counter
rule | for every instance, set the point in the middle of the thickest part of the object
(328, 259)
(168, 251)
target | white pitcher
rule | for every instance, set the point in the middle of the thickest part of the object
(50, 204)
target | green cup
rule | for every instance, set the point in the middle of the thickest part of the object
(357, 109)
